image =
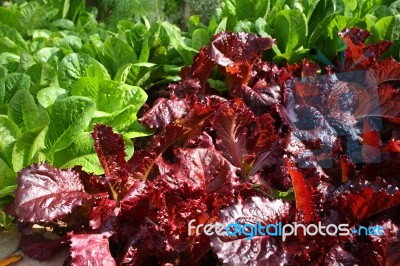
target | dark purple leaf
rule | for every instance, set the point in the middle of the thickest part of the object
(358, 55)
(257, 100)
(201, 69)
(164, 111)
(360, 198)
(48, 194)
(227, 48)
(387, 70)
(104, 215)
(303, 195)
(315, 135)
(245, 139)
(91, 249)
(337, 255)
(260, 250)
(93, 184)
(176, 209)
(40, 248)
(145, 247)
(204, 169)
(135, 204)
(309, 69)
(187, 88)
(388, 105)
(110, 148)
(142, 162)
(232, 127)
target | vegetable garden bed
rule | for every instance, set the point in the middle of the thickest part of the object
(115, 141)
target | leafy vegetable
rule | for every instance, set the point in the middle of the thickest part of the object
(237, 137)
(304, 28)
(62, 190)
(279, 150)
(62, 72)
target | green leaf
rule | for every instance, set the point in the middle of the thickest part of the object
(68, 118)
(177, 41)
(65, 8)
(292, 57)
(135, 74)
(133, 95)
(342, 22)
(5, 220)
(7, 45)
(228, 9)
(320, 29)
(329, 43)
(387, 28)
(26, 60)
(7, 191)
(110, 96)
(13, 83)
(13, 35)
(38, 146)
(11, 18)
(2, 90)
(41, 35)
(97, 71)
(48, 96)
(76, 65)
(80, 152)
(10, 61)
(76, 7)
(129, 148)
(349, 6)
(285, 195)
(394, 8)
(144, 51)
(217, 85)
(370, 21)
(245, 9)
(86, 86)
(261, 27)
(93, 46)
(318, 11)
(26, 148)
(200, 38)
(23, 111)
(62, 24)
(73, 42)
(251, 9)
(44, 54)
(244, 26)
(221, 26)
(7, 179)
(42, 75)
(121, 120)
(194, 23)
(3, 72)
(290, 30)
(122, 73)
(136, 130)
(9, 133)
(368, 7)
(116, 54)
